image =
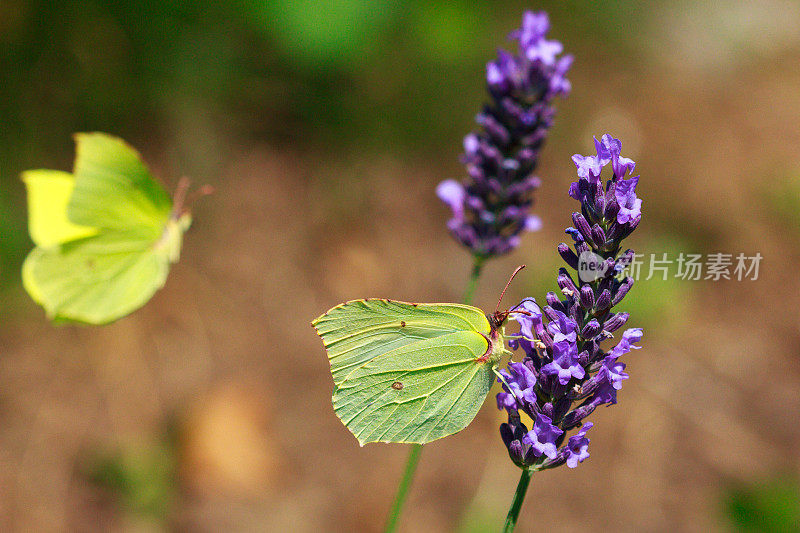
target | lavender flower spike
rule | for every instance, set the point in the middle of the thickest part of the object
(567, 371)
(491, 208)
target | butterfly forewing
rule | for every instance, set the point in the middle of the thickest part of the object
(49, 192)
(114, 189)
(357, 331)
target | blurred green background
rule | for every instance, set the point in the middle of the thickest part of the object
(325, 126)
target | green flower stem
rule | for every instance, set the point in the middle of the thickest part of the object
(519, 497)
(402, 490)
(416, 449)
(477, 266)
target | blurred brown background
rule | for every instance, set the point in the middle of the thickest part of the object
(325, 127)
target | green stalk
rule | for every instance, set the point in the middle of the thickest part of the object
(519, 497)
(477, 266)
(416, 449)
(402, 490)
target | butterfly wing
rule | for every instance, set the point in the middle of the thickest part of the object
(49, 192)
(406, 372)
(114, 189)
(96, 279)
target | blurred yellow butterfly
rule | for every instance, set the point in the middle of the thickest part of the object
(105, 234)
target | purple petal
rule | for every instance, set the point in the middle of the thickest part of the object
(533, 223)
(588, 166)
(542, 437)
(630, 207)
(577, 449)
(453, 194)
(528, 323)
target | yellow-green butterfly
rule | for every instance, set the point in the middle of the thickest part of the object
(105, 234)
(406, 372)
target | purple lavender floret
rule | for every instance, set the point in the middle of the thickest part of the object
(578, 447)
(566, 372)
(491, 208)
(521, 379)
(542, 438)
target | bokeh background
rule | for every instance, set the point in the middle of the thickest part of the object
(325, 127)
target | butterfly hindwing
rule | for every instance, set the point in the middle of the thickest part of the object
(406, 372)
(95, 280)
(418, 393)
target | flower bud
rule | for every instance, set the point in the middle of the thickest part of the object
(561, 407)
(550, 313)
(555, 302)
(582, 247)
(603, 301)
(615, 322)
(600, 203)
(592, 329)
(587, 297)
(552, 463)
(608, 267)
(612, 208)
(574, 417)
(582, 226)
(622, 290)
(513, 434)
(568, 255)
(598, 235)
(566, 284)
(493, 128)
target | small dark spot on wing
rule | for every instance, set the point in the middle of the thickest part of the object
(402, 323)
(90, 263)
(397, 385)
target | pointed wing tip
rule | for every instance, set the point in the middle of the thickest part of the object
(86, 134)
(315, 323)
(25, 175)
(80, 136)
(32, 173)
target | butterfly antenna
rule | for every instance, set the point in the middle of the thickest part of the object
(184, 200)
(496, 309)
(180, 196)
(205, 190)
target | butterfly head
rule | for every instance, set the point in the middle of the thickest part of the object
(498, 318)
